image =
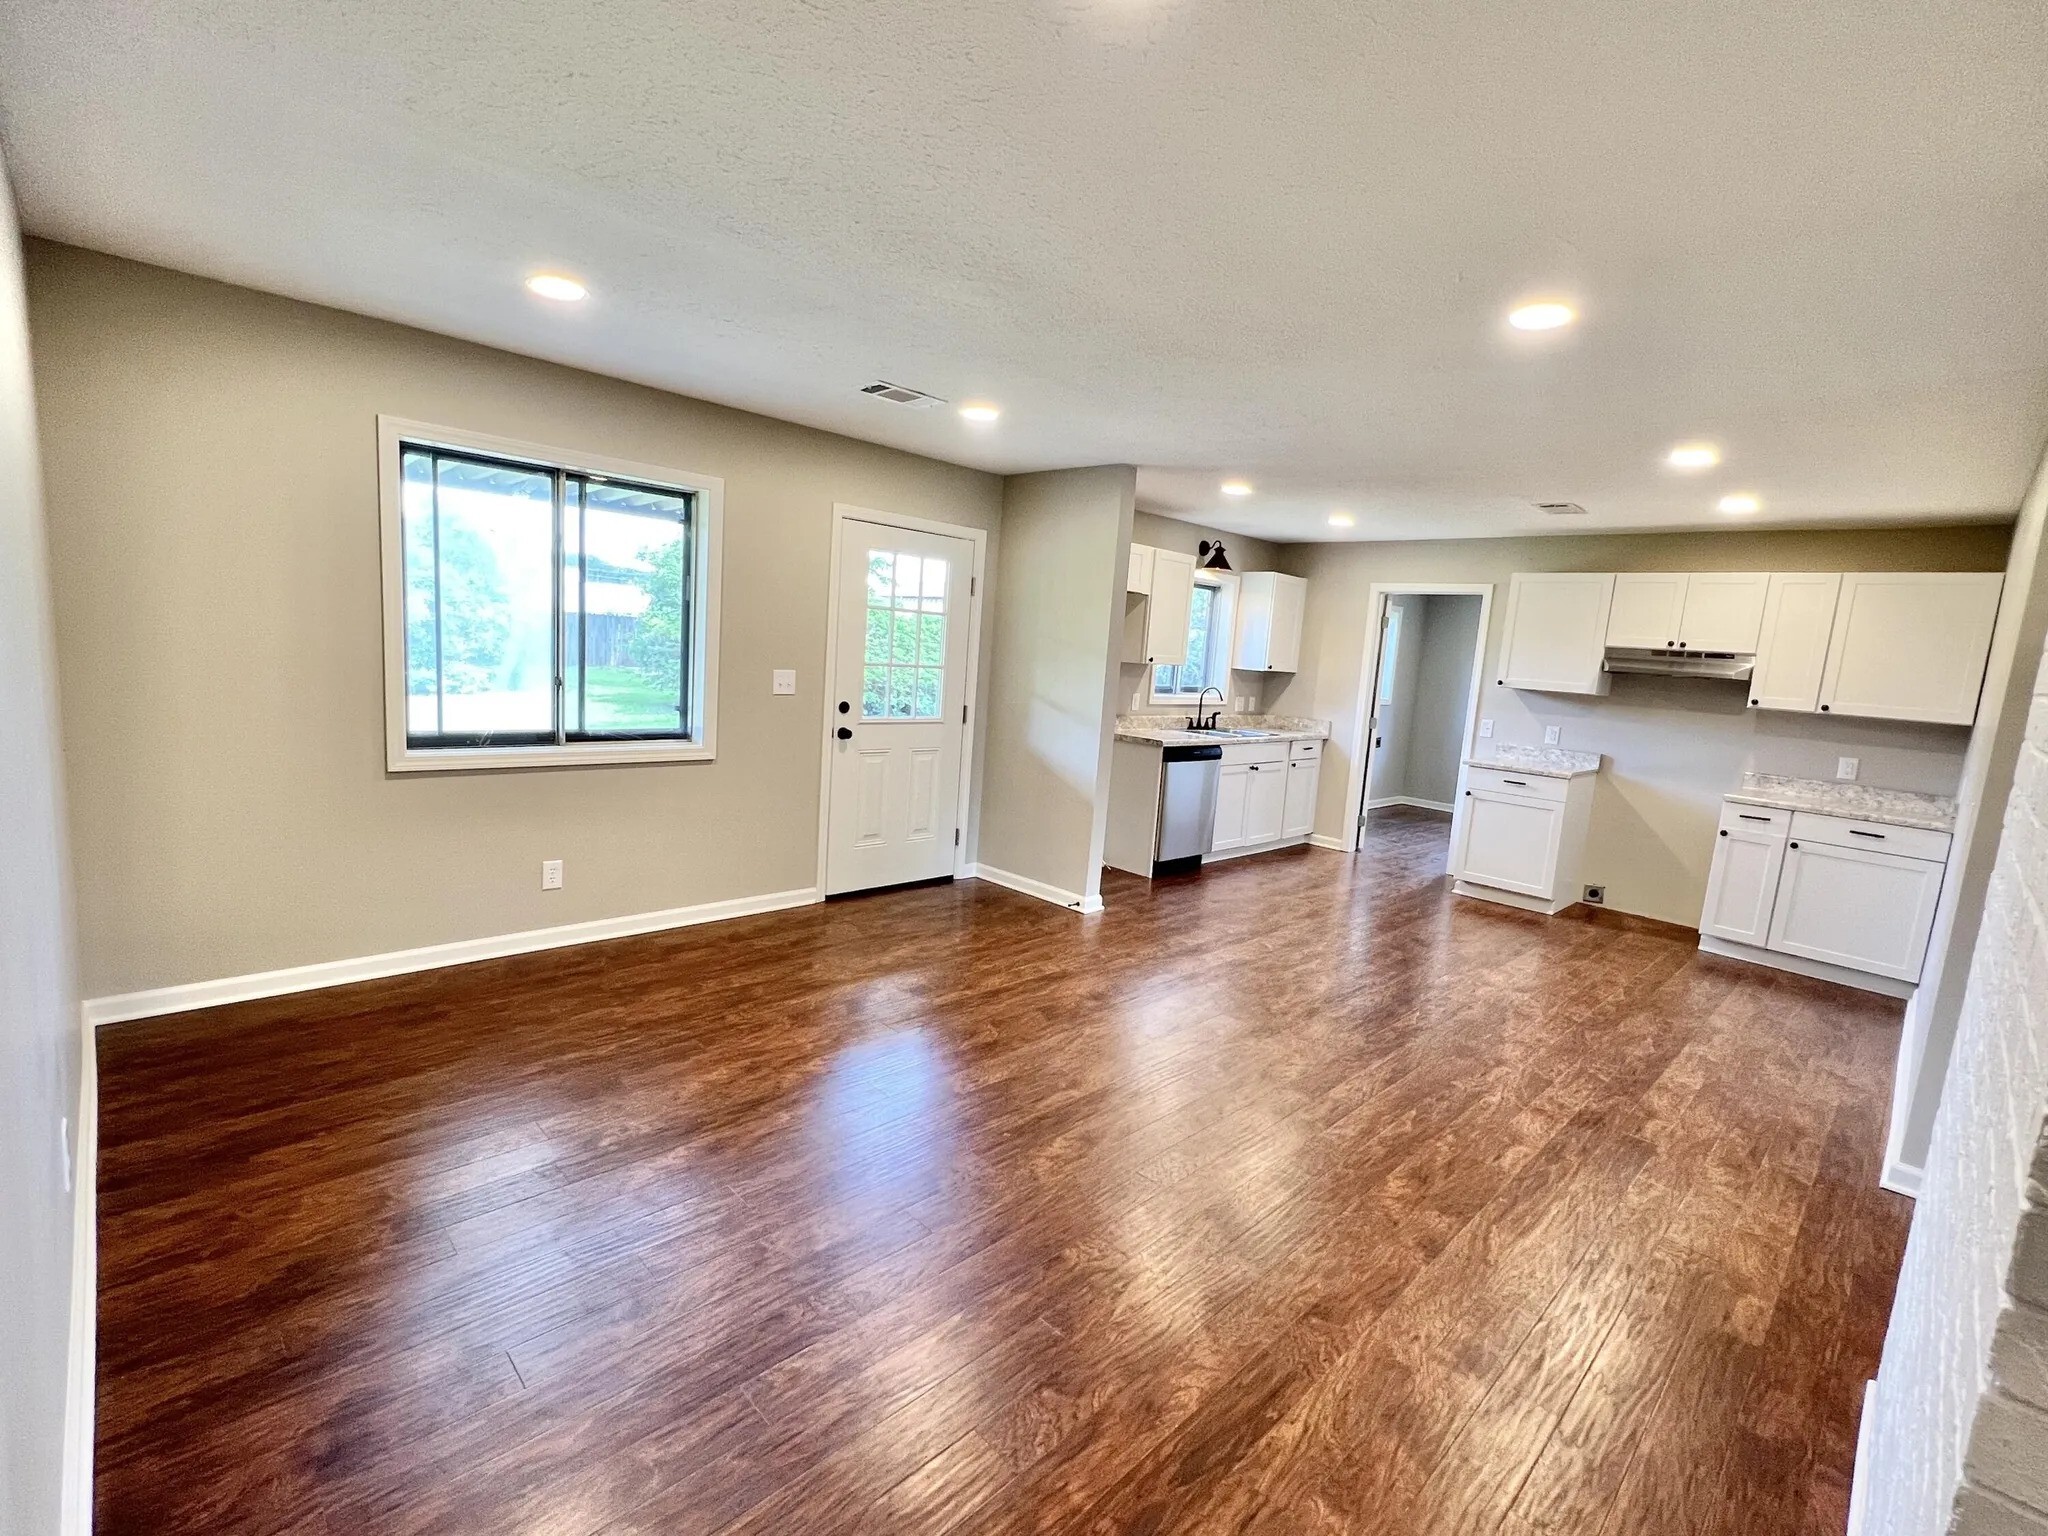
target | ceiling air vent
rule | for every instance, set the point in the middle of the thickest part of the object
(1561, 508)
(898, 394)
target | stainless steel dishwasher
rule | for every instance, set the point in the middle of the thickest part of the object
(1187, 807)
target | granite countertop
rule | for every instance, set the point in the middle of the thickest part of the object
(1544, 762)
(1166, 730)
(1859, 802)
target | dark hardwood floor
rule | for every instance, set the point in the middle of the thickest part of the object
(1293, 1197)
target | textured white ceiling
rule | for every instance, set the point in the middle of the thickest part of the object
(1202, 236)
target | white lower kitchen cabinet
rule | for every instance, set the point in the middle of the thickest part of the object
(1743, 887)
(1233, 790)
(1520, 837)
(1830, 896)
(1266, 795)
(1303, 776)
(1856, 908)
(1265, 803)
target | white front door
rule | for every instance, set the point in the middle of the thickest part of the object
(897, 727)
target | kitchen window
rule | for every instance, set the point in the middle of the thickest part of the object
(1208, 659)
(542, 608)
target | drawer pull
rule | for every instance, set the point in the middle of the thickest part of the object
(1859, 832)
(1518, 783)
(1747, 817)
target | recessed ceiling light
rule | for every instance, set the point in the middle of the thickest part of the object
(977, 410)
(1342, 520)
(553, 285)
(1693, 456)
(1547, 316)
(1742, 501)
(1237, 488)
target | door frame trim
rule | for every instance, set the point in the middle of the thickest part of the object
(843, 513)
(1368, 691)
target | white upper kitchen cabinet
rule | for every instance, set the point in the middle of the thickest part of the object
(1910, 645)
(1557, 632)
(1138, 573)
(1705, 611)
(1166, 608)
(1724, 610)
(1269, 610)
(1647, 610)
(1792, 647)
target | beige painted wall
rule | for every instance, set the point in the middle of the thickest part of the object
(1052, 695)
(1245, 554)
(210, 455)
(1674, 746)
(42, 1068)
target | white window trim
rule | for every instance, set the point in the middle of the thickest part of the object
(1222, 630)
(708, 518)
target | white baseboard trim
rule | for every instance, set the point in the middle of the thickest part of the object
(1072, 900)
(1335, 844)
(1901, 1179)
(81, 1374)
(335, 973)
(1799, 965)
(1420, 805)
(1858, 1485)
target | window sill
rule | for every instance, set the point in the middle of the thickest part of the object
(593, 755)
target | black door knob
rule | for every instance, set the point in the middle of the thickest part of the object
(844, 707)
(843, 734)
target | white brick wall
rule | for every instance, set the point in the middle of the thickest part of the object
(1960, 1442)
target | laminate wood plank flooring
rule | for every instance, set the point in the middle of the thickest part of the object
(1295, 1197)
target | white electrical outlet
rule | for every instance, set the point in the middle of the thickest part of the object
(1846, 767)
(551, 874)
(1550, 735)
(785, 680)
(1485, 729)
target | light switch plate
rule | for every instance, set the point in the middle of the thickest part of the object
(1485, 729)
(1846, 768)
(1550, 735)
(785, 680)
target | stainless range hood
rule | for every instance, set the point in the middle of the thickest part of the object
(1727, 666)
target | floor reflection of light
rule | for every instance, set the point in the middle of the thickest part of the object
(884, 1120)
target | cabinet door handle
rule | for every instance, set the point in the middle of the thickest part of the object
(1859, 832)
(1747, 817)
(1724, 831)
(1795, 845)
(1518, 783)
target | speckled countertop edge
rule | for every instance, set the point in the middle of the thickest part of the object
(1155, 730)
(1857, 802)
(1544, 762)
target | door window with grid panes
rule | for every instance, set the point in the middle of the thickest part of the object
(904, 674)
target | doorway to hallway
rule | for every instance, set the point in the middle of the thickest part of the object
(1420, 704)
